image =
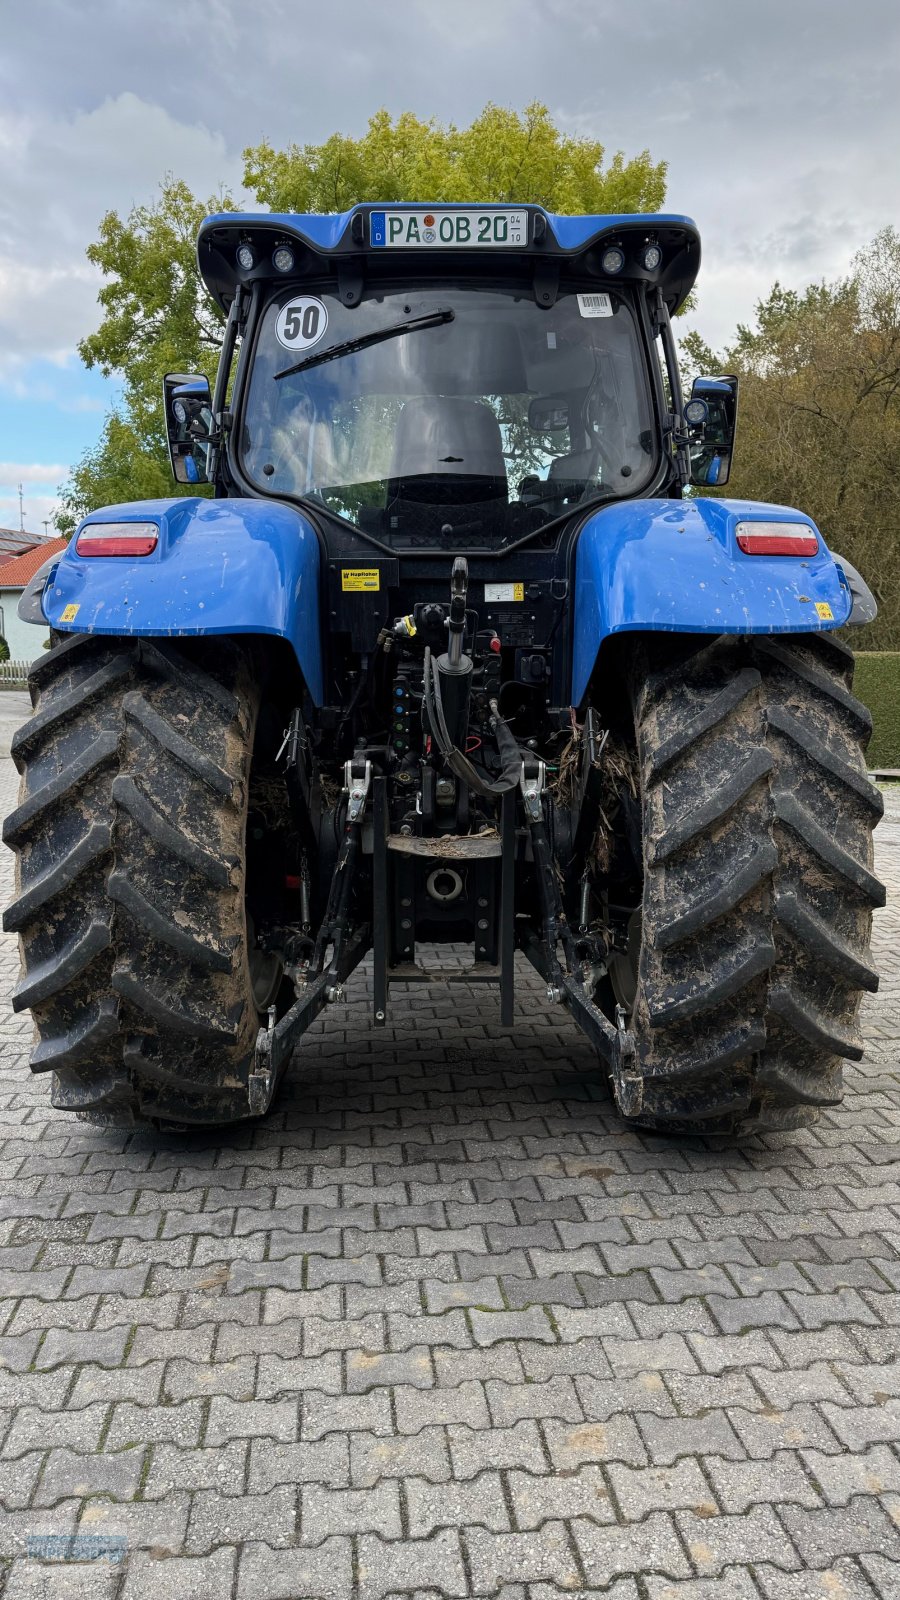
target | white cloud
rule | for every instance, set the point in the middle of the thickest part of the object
(60, 175)
(16, 472)
(38, 509)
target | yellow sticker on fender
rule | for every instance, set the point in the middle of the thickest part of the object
(360, 578)
(69, 613)
(824, 611)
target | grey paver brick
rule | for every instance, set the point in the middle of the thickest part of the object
(567, 1493)
(843, 1578)
(767, 1310)
(32, 1429)
(473, 1450)
(320, 1573)
(779, 1480)
(18, 1478)
(666, 1353)
(715, 1543)
(546, 1553)
(326, 1461)
(416, 1409)
(368, 1369)
(70, 1474)
(420, 1455)
(672, 1488)
(221, 1467)
(350, 1511)
(769, 1429)
(478, 1501)
(406, 1331)
(106, 1348)
(649, 1546)
(186, 1578)
(578, 1323)
(233, 1419)
(616, 1439)
(667, 1438)
(882, 1573)
(602, 1398)
(147, 1524)
(863, 1527)
(555, 1397)
(490, 1327)
(217, 1519)
(501, 1361)
(325, 1413)
(288, 1375)
(424, 1564)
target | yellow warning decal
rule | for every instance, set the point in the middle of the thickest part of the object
(824, 611)
(358, 578)
(504, 592)
(69, 613)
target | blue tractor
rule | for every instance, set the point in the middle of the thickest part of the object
(451, 654)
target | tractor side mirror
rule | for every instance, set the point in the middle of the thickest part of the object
(711, 416)
(189, 425)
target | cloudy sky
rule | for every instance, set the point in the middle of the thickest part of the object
(780, 120)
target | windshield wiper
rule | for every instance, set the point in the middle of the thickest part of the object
(348, 347)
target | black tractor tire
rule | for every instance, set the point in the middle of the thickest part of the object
(130, 839)
(754, 937)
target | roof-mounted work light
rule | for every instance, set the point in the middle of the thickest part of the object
(650, 256)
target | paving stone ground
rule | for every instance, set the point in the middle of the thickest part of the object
(444, 1326)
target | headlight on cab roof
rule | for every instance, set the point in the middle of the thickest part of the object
(117, 539)
(777, 538)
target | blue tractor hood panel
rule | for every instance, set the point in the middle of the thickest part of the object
(675, 566)
(221, 566)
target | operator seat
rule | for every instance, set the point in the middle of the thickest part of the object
(448, 452)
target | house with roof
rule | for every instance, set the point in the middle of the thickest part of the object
(15, 541)
(24, 639)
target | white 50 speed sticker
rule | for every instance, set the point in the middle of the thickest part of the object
(301, 323)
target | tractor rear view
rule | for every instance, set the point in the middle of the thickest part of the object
(454, 655)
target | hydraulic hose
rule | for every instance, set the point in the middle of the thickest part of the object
(455, 758)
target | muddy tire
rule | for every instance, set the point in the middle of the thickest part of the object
(758, 882)
(130, 843)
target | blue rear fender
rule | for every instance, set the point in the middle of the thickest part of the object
(675, 566)
(220, 566)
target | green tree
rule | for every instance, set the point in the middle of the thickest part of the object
(503, 156)
(819, 414)
(157, 317)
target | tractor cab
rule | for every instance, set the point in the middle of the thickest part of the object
(448, 378)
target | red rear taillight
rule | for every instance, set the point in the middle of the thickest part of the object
(777, 539)
(117, 539)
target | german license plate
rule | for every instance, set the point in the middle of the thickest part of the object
(435, 230)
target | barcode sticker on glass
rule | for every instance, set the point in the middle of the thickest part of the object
(595, 305)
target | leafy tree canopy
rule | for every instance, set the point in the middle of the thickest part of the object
(819, 414)
(157, 317)
(503, 156)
